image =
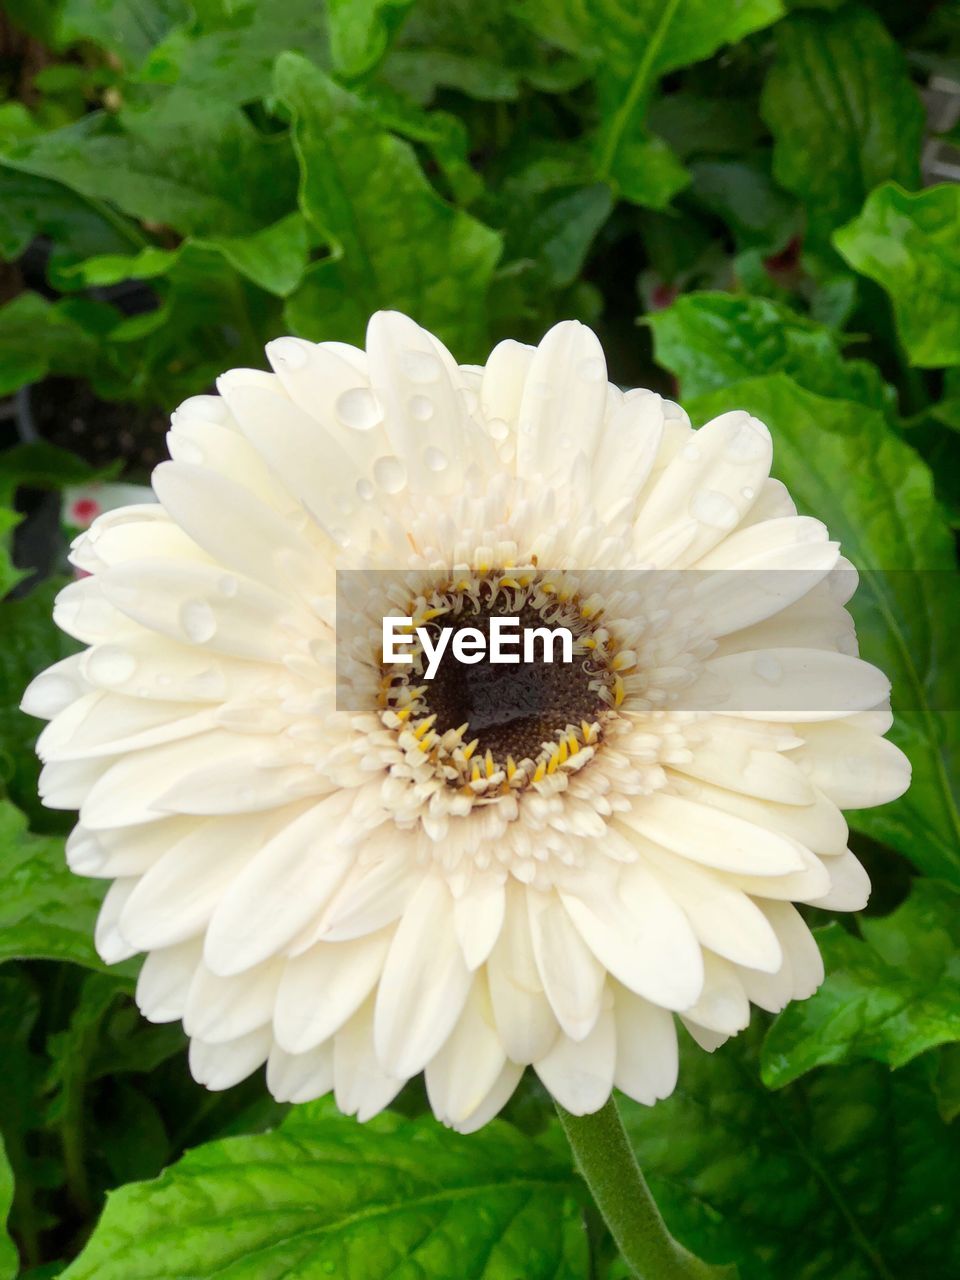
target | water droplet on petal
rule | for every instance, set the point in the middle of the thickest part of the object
(421, 408)
(421, 366)
(768, 668)
(747, 493)
(198, 621)
(498, 429)
(109, 664)
(593, 370)
(747, 441)
(359, 409)
(691, 452)
(341, 537)
(435, 459)
(228, 585)
(365, 489)
(390, 474)
(714, 509)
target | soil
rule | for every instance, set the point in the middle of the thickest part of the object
(66, 412)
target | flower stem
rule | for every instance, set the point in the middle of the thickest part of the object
(606, 1160)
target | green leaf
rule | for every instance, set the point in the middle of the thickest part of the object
(889, 997)
(848, 1175)
(227, 54)
(843, 111)
(360, 32)
(9, 1259)
(844, 464)
(324, 1196)
(631, 48)
(31, 206)
(210, 173)
(39, 337)
(46, 912)
(946, 1081)
(394, 242)
(712, 339)
(128, 28)
(910, 244)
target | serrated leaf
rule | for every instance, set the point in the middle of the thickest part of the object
(631, 47)
(46, 912)
(889, 997)
(909, 242)
(843, 112)
(9, 1258)
(394, 242)
(847, 1175)
(843, 464)
(712, 339)
(323, 1196)
(209, 173)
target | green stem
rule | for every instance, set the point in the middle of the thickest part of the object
(606, 1160)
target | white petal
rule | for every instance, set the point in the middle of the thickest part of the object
(723, 1006)
(128, 851)
(647, 1059)
(564, 400)
(478, 919)
(819, 826)
(625, 452)
(220, 1066)
(220, 1009)
(849, 885)
(792, 685)
(641, 936)
(521, 1010)
(112, 946)
(572, 979)
(53, 690)
(323, 987)
(461, 1076)
(723, 917)
(579, 1073)
(495, 1101)
(699, 832)
(424, 984)
(854, 768)
(287, 882)
(164, 980)
(361, 1086)
(300, 1077)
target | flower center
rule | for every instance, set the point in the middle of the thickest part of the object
(501, 725)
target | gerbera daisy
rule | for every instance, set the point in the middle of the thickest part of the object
(355, 874)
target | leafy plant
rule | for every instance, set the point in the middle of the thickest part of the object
(183, 180)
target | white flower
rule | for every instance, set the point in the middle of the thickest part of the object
(356, 895)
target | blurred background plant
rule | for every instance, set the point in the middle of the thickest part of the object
(754, 205)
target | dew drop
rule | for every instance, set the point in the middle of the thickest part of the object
(747, 441)
(359, 409)
(421, 366)
(228, 585)
(390, 473)
(109, 664)
(341, 537)
(435, 459)
(498, 429)
(365, 489)
(714, 509)
(593, 369)
(768, 668)
(197, 621)
(691, 452)
(747, 493)
(421, 408)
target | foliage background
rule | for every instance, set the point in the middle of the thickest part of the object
(742, 198)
